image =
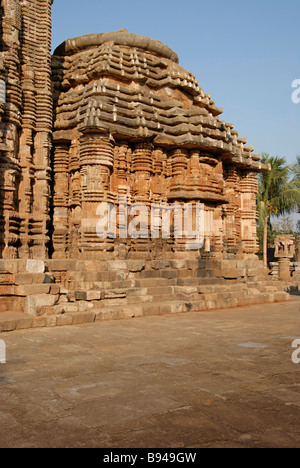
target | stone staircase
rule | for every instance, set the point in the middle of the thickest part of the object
(74, 292)
(24, 290)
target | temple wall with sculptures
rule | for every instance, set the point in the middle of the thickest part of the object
(130, 122)
(113, 118)
(142, 173)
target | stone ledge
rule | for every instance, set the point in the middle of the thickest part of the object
(10, 321)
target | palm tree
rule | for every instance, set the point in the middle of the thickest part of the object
(296, 180)
(278, 194)
(296, 173)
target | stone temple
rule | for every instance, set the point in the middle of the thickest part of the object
(114, 118)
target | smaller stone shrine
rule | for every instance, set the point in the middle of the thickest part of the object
(297, 255)
(285, 252)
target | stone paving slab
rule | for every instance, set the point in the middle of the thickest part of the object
(212, 379)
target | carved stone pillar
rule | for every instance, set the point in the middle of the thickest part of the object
(159, 187)
(217, 231)
(96, 163)
(142, 171)
(41, 197)
(10, 220)
(232, 220)
(179, 174)
(160, 243)
(121, 174)
(248, 187)
(61, 200)
(26, 158)
(121, 188)
(285, 252)
(284, 273)
(74, 200)
(195, 175)
(179, 164)
(37, 115)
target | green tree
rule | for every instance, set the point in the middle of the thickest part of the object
(278, 193)
(295, 170)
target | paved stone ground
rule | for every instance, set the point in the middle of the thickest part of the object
(214, 379)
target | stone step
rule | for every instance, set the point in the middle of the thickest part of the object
(12, 266)
(211, 288)
(7, 279)
(155, 282)
(163, 298)
(34, 289)
(161, 290)
(231, 299)
(22, 279)
(101, 286)
(36, 302)
(269, 289)
(11, 290)
(14, 303)
(10, 320)
(129, 284)
(205, 282)
(93, 276)
(150, 279)
(28, 289)
(268, 283)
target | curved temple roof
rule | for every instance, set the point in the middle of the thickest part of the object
(122, 37)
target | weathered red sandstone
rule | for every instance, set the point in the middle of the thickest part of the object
(125, 122)
(25, 128)
(129, 121)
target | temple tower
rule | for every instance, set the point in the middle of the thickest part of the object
(26, 117)
(131, 124)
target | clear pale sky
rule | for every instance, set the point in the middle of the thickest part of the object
(245, 54)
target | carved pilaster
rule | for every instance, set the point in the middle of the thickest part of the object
(248, 188)
(96, 163)
(142, 170)
(10, 221)
(60, 200)
(232, 220)
(179, 164)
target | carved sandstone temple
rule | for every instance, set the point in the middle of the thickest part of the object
(130, 122)
(114, 119)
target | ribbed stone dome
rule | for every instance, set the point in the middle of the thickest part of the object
(122, 37)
